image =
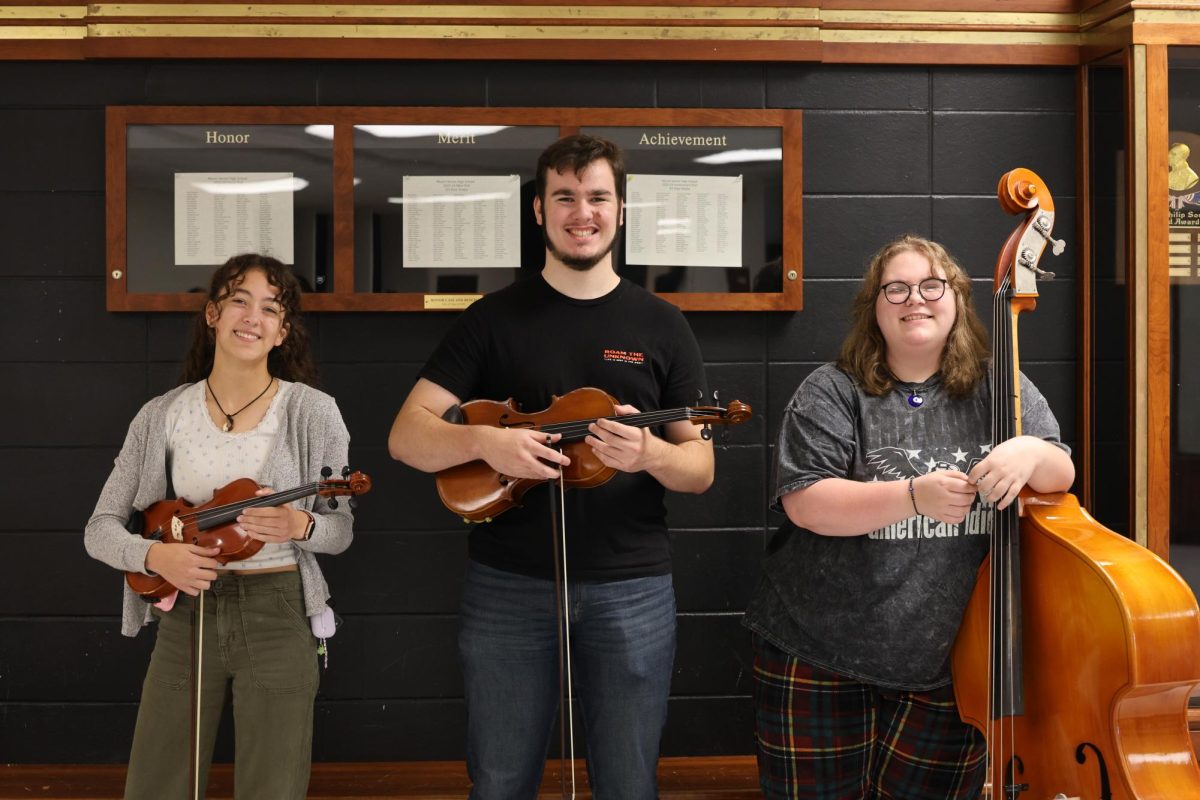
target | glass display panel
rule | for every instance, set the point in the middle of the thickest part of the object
(196, 194)
(1110, 290)
(445, 209)
(1183, 161)
(704, 207)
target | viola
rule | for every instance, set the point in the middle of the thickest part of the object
(1078, 648)
(477, 493)
(213, 523)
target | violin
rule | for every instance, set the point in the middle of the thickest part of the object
(212, 524)
(477, 493)
(1078, 648)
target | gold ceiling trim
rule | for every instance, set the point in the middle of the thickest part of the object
(669, 20)
(959, 19)
(43, 12)
(453, 32)
(893, 36)
(1153, 16)
(652, 13)
(40, 32)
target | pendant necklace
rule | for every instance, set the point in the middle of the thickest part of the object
(915, 400)
(228, 426)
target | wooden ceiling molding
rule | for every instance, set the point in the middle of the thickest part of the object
(1036, 32)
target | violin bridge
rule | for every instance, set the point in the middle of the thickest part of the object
(176, 529)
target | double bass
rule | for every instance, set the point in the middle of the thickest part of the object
(1079, 648)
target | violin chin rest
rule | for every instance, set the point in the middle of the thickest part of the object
(453, 414)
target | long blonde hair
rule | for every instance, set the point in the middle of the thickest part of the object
(864, 352)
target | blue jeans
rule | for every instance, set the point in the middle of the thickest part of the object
(622, 653)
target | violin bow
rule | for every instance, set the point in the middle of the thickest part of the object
(562, 607)
(197, 679)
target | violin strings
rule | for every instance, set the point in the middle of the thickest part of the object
(579, 428)
(278, 498)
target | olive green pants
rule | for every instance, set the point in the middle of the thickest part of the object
(257, 640)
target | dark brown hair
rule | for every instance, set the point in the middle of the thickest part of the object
(576, 153)
(864, 352)
(291, 360)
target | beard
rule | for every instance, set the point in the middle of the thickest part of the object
(578, 263)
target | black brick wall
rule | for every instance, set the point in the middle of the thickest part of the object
(886, 150)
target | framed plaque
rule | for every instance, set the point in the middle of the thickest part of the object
(409, 209)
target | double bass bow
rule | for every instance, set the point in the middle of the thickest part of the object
(1079, 648)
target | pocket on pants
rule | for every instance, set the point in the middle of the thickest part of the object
(283, 652)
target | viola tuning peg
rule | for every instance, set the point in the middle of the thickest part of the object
(333, 503)
(353, 503)
(326, 472)
(716, 397)
(346, 472)
(699, 396)
(706, 433)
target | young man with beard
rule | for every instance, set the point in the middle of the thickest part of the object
(576, 324)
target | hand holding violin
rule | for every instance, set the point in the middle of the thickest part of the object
(520, 452)
(189, 568)
(272, 524)
(619, 446)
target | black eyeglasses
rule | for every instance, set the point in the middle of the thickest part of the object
(898, 292)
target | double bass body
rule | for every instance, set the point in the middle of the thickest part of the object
(1111, 655)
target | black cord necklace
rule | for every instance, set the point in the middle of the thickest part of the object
(228, 426)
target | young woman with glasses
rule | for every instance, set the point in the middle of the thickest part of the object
(883, 468)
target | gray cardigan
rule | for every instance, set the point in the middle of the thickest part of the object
(312, 435)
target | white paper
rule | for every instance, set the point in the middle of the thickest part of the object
(222, 214)
(683, 220)
(461, 221)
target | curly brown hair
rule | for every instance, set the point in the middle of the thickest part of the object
(864, 352)
(292, 360)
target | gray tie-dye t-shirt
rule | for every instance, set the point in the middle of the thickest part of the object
(883, 607)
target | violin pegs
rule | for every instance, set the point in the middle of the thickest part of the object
(333, 503)
(716, 397)
(699, 397)
(706, 433)
(346, 472)
(326, 472)
(353, 503)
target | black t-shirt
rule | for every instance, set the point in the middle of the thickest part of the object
(529, 342)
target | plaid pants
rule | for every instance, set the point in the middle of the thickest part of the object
(822, 736)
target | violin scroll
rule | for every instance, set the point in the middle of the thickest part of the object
(351, 483)
(735, 413)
